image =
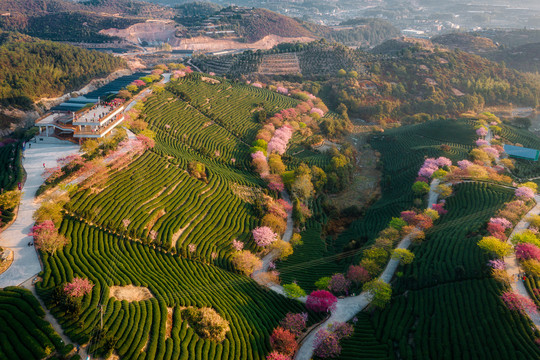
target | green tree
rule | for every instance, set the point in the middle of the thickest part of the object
(293, 291)
(403, 255)
(381, 292)
(420, 188)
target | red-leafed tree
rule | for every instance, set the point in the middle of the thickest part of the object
(295, 323)
(357, 274)
(283, 341)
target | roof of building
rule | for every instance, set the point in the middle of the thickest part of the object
(521, 152)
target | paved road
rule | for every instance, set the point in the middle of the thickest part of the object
(513, 265)
(25, 262)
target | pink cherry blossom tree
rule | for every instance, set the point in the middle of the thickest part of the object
(518, 302)
(481, 131)
(78, 287)
(264, 236)
(501, 221)
(464, 164)
(524, 192)
(46, 237)
(237, 245)
(443, 161)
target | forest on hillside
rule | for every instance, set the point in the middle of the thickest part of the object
(31, 68)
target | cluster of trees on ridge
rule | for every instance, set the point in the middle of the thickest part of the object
(31, 68)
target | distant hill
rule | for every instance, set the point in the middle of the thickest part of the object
(252, 24)
(31, 69)
(393, 46)
(524, 58)
(465, 42)
(62, 20)
(357, 32)
(510, 38)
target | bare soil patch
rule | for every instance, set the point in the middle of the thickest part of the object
(169, 323)
(130, 293)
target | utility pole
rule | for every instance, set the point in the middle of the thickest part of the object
(101, 315)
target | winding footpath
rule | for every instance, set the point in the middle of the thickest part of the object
(512, 264)
(347, 308)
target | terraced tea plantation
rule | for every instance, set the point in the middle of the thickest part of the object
(24, 334)
(157, 196)
(399, 172)
(156, 227)
(446, 298)
(142, 329)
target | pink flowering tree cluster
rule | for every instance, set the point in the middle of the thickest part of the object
(276, 186)
(286, 206)
(519, 303)
(281, 138)
(178, 74)
(481, 131)
(431, 165)
(237, 245)
(464, 164)
(274, 355)
(496, 230)
(78, 287)
(422, 221)
(146, 141)
(264, 236)
(524, 193)
(439, 208)
(526, 251)
(492, 151)
(282, 90)
(317, 111)
(257, 85)
(259, 162)
(321, 301)
(138, 83)
(327, 341)
(497, 264)
(46, 237)
(481, 142)
(505, 223)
